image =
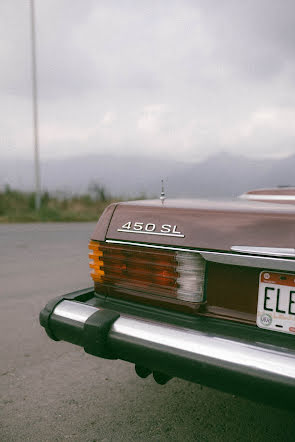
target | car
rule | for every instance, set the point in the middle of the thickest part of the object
(195, 289)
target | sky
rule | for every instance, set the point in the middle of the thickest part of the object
(172, 79)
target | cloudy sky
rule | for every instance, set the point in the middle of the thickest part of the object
(178, 79)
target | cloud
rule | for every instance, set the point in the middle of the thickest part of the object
(109, 118)
(178, 78)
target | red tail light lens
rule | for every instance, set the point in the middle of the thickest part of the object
(147, 274)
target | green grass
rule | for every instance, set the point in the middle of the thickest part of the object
(17, 206)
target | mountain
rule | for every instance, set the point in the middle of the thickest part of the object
(221, 175)
(126, 176)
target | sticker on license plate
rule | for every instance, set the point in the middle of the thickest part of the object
(276, 302)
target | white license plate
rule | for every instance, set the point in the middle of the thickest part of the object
(276, 302)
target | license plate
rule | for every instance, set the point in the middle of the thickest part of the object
(276, 302)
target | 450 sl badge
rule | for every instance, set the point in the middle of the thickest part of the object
(150, 229)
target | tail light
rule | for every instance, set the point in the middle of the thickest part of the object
(154, 276)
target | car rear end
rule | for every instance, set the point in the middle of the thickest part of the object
(191, 289)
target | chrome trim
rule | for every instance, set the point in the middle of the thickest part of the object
(151, 246)
(207, 347)
(74, 310)
(151, 233)
(263, 262)
(270, 251)
(261, 197)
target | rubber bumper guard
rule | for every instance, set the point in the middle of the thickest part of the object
(96, 327)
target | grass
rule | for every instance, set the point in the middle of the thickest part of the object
(18, 206)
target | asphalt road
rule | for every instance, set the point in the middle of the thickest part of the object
(53, 391)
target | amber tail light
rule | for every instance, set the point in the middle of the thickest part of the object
(148, 275)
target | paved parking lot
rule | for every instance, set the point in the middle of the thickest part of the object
(54, 391)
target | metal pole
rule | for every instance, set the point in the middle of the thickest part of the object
(35, 109)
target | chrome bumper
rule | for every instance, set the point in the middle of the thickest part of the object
(253, 369)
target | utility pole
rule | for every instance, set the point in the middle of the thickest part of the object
(35, 108)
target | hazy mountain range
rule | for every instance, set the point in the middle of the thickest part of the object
(221, 175)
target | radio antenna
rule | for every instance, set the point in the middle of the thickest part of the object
(163, 196)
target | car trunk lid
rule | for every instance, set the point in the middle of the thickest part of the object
(203, 224)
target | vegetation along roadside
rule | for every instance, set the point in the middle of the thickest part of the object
(19, 206)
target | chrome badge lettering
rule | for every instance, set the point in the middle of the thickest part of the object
(150, 229)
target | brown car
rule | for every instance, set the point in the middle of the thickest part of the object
(195, 289)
